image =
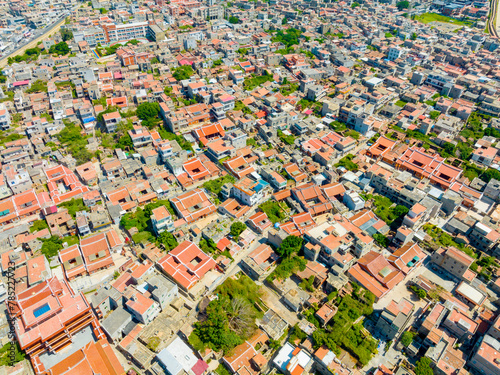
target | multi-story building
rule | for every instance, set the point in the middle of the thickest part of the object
(483, 237)
(5, 119)
(48, 315)
(128, 31)
(18, 180)
(394, 318)
(250, 192)
(111, 121)
(161, 220)
(486, 359)
(455, 262)
(140, 136)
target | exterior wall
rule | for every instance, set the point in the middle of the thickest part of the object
(450, 265)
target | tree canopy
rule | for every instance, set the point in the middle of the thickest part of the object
(146, 111)
(66, 34)
(423, 367)
(289, 246)
(236, 229)
(407, 338)
(168, 240)
(403, 5)
(60, 48)
(183, 72)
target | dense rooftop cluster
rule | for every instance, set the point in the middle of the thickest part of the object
(250, 187)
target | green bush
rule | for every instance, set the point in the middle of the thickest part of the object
(287, 268)
(273, 210)
(236, 229)
(231, 317)
(38, 225)
(74, 205)
(215, 186)
(347, 163)
(407, 338)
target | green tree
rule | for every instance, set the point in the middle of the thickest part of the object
(400, 210)
(147, 111)
(242, 51)
(423, 367)
(234, 20)
(236, 229)
(449, 149)
(403, 5)
(183, 72)
(421, 294)
(407, 338)
(380, 239)
(60, 49)
(284, 21)
(38, 225)
(414, 36)
(66, 34)
(355, 5)
(168, 240)
(434, 114)
(289, 246)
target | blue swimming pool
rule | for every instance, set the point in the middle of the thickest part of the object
(261, 185)
(41, 310)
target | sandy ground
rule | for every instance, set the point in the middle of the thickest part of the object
(34, 42)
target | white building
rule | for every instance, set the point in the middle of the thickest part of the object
(4, 117)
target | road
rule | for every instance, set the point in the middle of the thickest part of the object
(20, 50)
(492, 25)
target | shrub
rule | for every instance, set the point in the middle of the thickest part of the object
(407, 338)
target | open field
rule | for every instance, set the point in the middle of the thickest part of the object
(434, 17)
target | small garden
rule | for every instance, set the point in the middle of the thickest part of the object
(274, 211)
(387, 211)
(256, 81)
(347, 163)
(442, 238)
(215, 186)
(230, 318)
(342, 331)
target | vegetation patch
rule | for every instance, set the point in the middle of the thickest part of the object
(342, 332)
(215, 186)
(444, 239)
(255, 81)
(230, 318)
(386, 211)
(347, 163)
(74, 205)
(274, 211)
(287, 268)
(435, 17)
